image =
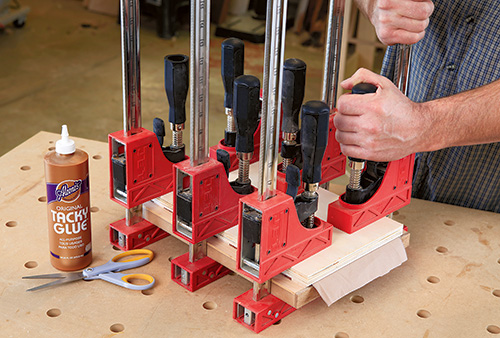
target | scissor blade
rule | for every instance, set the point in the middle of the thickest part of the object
(69, 278)
(46, 276)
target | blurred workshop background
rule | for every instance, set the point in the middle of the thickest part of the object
(62, 63)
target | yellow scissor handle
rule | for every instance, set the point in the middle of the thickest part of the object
(124, 280)
(142, 276)
(134, 255)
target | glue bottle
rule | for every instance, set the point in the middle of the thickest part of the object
(68, 205)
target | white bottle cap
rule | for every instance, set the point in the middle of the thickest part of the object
(65, 145)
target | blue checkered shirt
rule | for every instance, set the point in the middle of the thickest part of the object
(460, 51)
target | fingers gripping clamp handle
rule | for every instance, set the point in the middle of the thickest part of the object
(360, 89)
(364, 88)
(357, 165)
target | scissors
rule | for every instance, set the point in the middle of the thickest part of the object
(107, 272)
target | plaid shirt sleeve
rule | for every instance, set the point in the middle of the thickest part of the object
(460, 51)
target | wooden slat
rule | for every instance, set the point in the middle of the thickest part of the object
(291, 291)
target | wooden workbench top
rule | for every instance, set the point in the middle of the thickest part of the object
(449, 287)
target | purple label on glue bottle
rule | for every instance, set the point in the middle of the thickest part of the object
(67, 191)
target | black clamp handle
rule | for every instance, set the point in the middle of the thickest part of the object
(246, 107)
(176, 86)
(232, 59)
(314, 138)
(292, 93)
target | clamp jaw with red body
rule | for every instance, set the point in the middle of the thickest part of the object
(277, 230)
(142, 168)
(139, 170)
(137, 176)
(206, 203)
(387, 189)
(272, 238)
(276, 233)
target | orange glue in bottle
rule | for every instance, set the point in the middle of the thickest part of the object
(68, 205)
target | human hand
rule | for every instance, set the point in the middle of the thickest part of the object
(383, 126)
(398, 21)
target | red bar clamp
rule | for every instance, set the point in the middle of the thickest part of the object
(139, 172)
(206, 204)
(394, 193)
(272, 239)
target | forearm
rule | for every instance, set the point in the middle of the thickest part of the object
(467, 118)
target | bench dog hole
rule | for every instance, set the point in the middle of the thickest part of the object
(357, 299)
(209, 305)
(117, 328)
(441, 249)
(433, 279)
(423, 313)
(11, 224)
(30, 264)
(341, 335)
(147, 292)
(42, 199)
(493, 329)
(54, 312)
(496, 293)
